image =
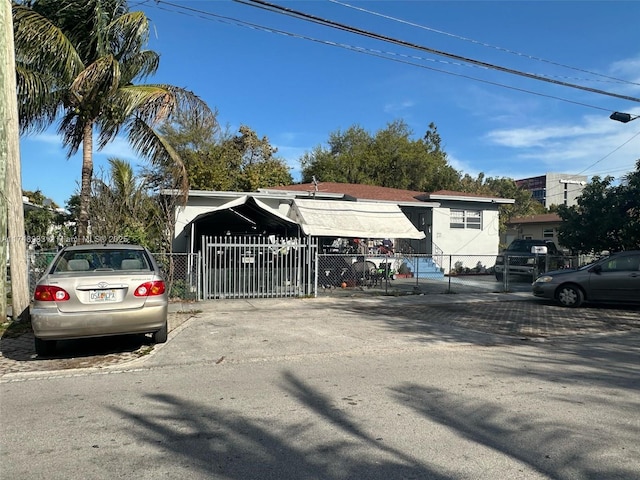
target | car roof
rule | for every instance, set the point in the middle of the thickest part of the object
(531, 240)
(104, 246)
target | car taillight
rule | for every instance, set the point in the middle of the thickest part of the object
(149, 289)
(50, 293)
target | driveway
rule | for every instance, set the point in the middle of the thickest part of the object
(322, 323)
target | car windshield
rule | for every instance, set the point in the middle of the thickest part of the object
(101, 260)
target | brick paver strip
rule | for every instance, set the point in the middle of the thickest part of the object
(529, 319)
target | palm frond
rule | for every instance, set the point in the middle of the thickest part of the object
(71, 128)
(43, 46)
(153, 104)
(149, 144)
(128, 34)
(138, 66)
(38, 104)
(157, 103)
(96, 83)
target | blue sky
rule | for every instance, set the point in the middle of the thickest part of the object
(297, 88)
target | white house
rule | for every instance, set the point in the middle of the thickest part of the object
(443, 222)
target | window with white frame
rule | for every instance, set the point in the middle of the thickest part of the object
(466, 219)
(547, 233)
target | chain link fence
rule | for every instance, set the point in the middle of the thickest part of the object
(400, 274)
(406, 273)
(394, 274)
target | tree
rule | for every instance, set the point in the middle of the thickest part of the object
(607, 216)
(123, 210)
(217, 160)
(78, 60)
(390, 158)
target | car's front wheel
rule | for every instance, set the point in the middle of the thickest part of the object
(570, 296)
(161, 335)
(44, 347)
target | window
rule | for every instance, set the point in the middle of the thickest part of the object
(628, 263)
(547, 233)
(466, 219)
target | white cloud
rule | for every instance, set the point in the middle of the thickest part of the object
(119, 147)
(396, 108)
(627, 69)
(596, 144)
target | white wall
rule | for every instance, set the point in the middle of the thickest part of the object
(466, 241)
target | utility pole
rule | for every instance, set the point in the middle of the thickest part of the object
(11, 181)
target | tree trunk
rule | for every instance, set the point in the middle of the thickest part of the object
(85, 184)
(12, 205)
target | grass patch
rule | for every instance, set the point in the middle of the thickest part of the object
(144, 351)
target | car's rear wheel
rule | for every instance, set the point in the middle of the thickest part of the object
(570, 296)
(44, 347)
(161, 335)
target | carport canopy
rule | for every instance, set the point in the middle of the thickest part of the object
(335, 218)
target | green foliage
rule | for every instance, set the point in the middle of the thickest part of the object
(390, 158)
(124, 212)
(607, 216)
(78, 61)
(44, 226)
(216, 160)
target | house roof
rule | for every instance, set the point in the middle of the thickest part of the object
(354, 190)
(540, 218)
(464, 196)
(384, 194)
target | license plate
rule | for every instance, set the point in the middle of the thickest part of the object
(100, 296)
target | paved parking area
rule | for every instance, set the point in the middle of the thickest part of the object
(510, 316)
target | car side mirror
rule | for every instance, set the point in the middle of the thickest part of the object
(596, 269)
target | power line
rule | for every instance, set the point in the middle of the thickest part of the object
(205, 15)
(340, 26)
(477, 42)
(610, 153)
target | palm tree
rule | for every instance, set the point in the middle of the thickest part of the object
(122, 206)
(76, 62)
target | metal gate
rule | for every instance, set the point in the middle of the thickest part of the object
(257, 267)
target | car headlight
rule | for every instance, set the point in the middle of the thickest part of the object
(544, 279)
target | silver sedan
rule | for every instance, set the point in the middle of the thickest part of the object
(99, 290)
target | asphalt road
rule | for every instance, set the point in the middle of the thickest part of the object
(367, 388)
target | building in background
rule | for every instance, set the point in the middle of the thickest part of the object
(543, 226)
(554, 188)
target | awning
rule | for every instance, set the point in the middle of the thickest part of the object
(328, 218)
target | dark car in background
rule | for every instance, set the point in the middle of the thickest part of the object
(99, 290)
(614, 279)
(520, 260)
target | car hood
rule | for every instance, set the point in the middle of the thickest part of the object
(562, 271)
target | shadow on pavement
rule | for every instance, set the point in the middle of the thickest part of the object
(223, 443)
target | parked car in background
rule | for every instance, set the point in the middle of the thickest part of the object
(614, 279)
(99, 290)
(520, 260)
